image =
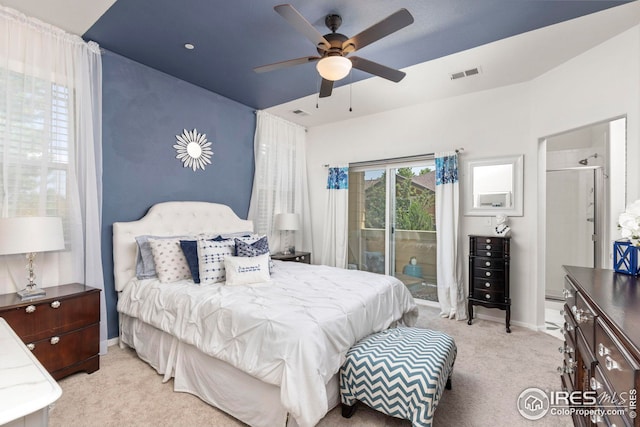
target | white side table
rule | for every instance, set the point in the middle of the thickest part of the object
(26, 388)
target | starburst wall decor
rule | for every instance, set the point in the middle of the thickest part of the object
(193, 149)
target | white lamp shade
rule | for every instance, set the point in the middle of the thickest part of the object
(22, 235)
(287, 221)
(334, 67)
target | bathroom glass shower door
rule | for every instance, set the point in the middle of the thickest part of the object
(573, 221)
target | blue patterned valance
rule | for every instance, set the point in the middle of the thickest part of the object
(338, 179)
(447, 169)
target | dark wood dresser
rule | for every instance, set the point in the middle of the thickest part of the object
(601, 348)
(489, 274)
(62, 328)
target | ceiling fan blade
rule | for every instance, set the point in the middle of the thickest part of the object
(390, 24)
(303, 26)
(284, 64)
(326, 87)
(377, 69)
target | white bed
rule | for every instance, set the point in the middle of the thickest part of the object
(267, 353)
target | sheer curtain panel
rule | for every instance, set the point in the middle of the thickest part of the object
(50, 148)
(335, 231)
(450, 286)
(280, 180)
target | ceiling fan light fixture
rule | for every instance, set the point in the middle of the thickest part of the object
(334, 67)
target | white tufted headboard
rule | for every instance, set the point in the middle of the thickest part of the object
(169, 219)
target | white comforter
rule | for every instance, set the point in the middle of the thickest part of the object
(292, 331)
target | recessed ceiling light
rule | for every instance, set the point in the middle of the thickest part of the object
(189, 46)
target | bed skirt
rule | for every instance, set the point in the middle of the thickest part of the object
(216, 382)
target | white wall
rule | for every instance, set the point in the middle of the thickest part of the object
(600, 84)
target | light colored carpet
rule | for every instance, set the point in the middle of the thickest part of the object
(491, 369)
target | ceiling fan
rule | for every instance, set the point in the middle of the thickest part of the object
(334, 47)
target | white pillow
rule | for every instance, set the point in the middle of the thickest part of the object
(211, 255)
(242, 270)
(170, 262)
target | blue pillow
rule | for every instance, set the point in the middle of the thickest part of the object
(259, 247)
(190, 250)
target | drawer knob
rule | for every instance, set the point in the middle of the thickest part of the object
(488, 253)
(611, 364)
(488, 240)
(488, 263)
(487, 285)
(55, 304)
(595, 384)
(603, 350)
(31, 346)
(30, 308)
(565, 370)
(488, 247)
(302, 257)
(581, 315)
(565, 349)
(488, 296)
(488, 273)
(55, 340)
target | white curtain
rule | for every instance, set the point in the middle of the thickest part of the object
(50, 147)
(451, 294)
(280, 180)
(335, 231)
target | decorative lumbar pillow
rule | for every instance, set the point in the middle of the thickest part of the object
(259, 247)
(170, 262)
(247, 270)
(211, 256)
(145, 266)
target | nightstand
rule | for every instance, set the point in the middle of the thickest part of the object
(62, 329)
(303, 257)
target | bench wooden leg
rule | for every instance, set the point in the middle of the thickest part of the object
(348, 411)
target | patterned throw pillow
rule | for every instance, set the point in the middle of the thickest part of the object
(247, 270)
(259, 247)
(145, 267)
(170, 263)
(211, 255)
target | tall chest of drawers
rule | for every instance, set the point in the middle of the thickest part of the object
(601, 350)
(489, 274)
(62, 329)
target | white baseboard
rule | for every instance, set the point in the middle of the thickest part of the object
(113, 341)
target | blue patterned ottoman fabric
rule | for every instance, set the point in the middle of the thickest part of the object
(401, 372)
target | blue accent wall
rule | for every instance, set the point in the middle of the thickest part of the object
(143, 111)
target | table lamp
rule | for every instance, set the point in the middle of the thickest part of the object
(287, 222)
(30, 235)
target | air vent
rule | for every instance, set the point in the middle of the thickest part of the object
(300, 112)
(466, 73)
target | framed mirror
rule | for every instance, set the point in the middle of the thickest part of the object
(494, 186)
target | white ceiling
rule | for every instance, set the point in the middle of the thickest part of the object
(509, 61)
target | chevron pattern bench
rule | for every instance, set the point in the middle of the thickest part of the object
(401, 372)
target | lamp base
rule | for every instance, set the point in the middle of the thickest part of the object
(31, 292)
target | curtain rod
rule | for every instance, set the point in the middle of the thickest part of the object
(404, 159)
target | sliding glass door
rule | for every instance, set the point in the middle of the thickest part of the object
(392, 223)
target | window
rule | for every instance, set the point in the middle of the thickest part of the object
(35, 146)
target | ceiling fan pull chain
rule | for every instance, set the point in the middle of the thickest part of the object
(350, 90)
